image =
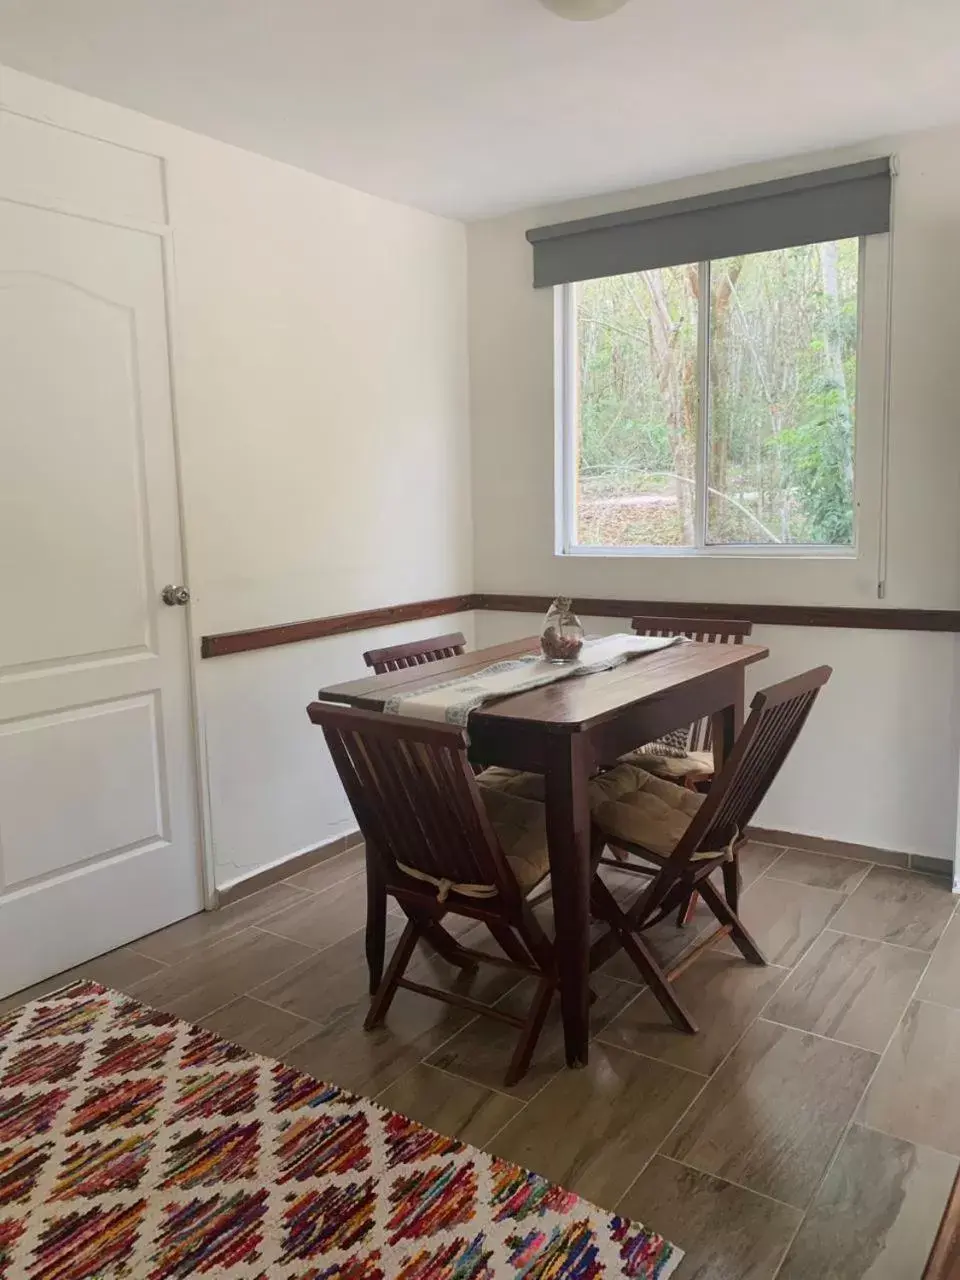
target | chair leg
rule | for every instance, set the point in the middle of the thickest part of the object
(672, 1006)
(446, 946)
(531, 1030)
(376, 934)
(508, 942)
(642, 957)
(731, 882)
(391, 979)
(687, 909)
(746, 944)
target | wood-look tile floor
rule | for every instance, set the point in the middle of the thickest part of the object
(810, 1129)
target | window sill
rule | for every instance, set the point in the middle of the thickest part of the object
(710, 553)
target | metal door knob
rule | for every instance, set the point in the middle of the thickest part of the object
(175, 595)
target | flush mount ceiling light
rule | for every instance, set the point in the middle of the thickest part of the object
(583, 10)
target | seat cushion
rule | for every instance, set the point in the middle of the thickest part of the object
(514, 782)
(521, 827)
(694, 764)
(633, 805)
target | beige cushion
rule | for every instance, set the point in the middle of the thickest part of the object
(642, 809)
(695, 764)
(514, 782)
(520, 824)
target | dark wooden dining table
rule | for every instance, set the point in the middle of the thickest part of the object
(568, 731)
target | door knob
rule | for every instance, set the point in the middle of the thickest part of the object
(175, 595)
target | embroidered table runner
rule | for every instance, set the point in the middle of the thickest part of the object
(453, 700)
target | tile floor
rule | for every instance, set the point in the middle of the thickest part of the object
(810, 1129)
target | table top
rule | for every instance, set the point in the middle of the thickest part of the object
(566, 705)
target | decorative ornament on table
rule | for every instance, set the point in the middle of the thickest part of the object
(561, 636)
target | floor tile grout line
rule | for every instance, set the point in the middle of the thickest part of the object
(882, 942)
(249, 924)
(695, 1098)
(553, 1075)
(828, 1169)
(648, 1057)
(249, 928)
(313, 1028)
(315, 951)
(685, 1164)
(735, 1046)
(248, 995)
(872, 1128)
(130, 947)
(843, 857)
(818, 1035)
(937, 1004)
(198, 950)
(550, 1078)
(292, 879)
(453, 1075)
(315, 894)
(822, 888)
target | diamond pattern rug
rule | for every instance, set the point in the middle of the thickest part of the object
(133, 1144)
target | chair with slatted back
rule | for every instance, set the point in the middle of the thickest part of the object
(691, 763)
(684, 836)
(446, 843)
(397, 657)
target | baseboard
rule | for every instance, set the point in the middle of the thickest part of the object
(297, 862)
(861, 852)
(286, 867)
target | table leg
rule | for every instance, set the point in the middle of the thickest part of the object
(726, 725)
(568, 839)
(376, 935)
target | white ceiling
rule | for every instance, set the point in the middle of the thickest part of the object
(472, 107)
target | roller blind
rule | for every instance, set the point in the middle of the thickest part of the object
(832, 204)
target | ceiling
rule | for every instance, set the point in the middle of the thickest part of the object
(473, 107)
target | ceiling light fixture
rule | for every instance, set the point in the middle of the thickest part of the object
(583, 10)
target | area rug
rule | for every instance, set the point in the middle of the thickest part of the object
(133, 1144)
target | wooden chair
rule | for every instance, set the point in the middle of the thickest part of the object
(446, 844)
(697, 767)
(688, 836)
(396, 657)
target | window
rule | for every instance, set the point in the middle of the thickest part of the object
(711, 406)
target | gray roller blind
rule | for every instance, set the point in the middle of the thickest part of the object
(853, 200)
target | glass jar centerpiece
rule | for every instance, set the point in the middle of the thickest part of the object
(561, 636)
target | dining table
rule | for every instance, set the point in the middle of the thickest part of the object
(568, 731)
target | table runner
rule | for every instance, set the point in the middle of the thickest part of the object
(453, 700)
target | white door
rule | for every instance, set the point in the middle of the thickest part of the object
(98, 828)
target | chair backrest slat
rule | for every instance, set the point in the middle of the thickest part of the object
(776, 717)
(707, 631)
(415, 653)
(415, 797)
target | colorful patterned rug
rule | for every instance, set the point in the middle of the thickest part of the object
(135, 1145)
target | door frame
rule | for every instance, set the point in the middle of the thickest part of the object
(164, 232)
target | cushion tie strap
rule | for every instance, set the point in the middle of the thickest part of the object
(445, 887)
(728, 850)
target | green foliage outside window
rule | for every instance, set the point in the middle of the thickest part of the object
(782, 389)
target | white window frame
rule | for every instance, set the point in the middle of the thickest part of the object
(566, 402)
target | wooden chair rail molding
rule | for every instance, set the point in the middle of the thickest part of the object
(772, 615)
(340, 624)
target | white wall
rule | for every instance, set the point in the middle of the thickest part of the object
(879, 762)
(254, 712)
(321, 385)
(325, 436)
